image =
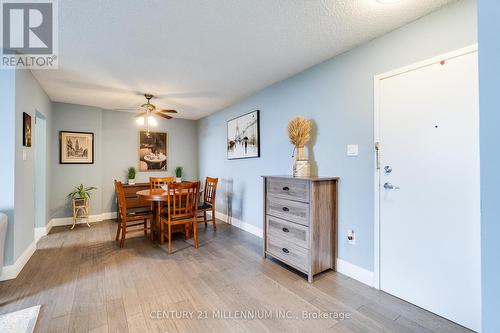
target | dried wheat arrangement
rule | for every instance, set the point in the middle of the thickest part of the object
(299, 131)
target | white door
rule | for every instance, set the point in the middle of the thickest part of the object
(430, 205)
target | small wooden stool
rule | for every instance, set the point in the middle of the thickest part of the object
(80, 206)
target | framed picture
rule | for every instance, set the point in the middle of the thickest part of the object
(243, 137)
(26, 130)
(76, 147)
(152, 151)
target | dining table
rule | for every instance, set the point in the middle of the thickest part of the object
(157, 197)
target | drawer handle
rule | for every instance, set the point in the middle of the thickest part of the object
(285, 230)
(285, 209)
(286, 188)
(285, 250)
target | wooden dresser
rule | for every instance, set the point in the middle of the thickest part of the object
(300, 222)
(133, 201)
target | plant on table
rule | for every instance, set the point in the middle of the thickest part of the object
(299, 133)
(131, 175)
(178, 174)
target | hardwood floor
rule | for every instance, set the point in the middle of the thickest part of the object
(85, 283)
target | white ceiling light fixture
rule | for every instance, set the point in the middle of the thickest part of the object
(139, 121)
(152, 121)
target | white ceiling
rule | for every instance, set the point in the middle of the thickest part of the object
(200, 56)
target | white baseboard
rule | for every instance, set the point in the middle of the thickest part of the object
(40, 232)
(12, 271)
(48, 227)
(61, 221)
(43, 231)
(357, 273)
(239, 224)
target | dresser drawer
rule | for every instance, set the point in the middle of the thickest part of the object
(292, 232)
(293, 189)
(288, 252)
(294, 211)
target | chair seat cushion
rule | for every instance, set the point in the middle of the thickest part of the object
(139, 211)
(205, 206)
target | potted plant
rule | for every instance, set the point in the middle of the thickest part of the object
(178, 174)
(131, 175)
(299, 132)
(81, 195)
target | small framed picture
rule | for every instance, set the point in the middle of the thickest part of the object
(243, 137)
(76, 147)
(26, 130)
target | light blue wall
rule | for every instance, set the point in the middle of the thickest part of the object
(116, 145)
(79, 118)
(489, 91)
(8, 135)
(30, 98)
(338, 96)
(121, 142)
(41, 172)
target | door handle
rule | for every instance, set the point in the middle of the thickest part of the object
(389, 186)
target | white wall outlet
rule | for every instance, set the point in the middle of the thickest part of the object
(24, 155)
(351, 237)
(352, 150)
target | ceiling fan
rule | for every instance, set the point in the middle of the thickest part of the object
(147, 111)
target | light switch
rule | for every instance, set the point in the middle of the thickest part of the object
(352, 150)
(351, 237)
(24, 155)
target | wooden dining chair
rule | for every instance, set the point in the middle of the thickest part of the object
(182, 206)
(129, 218)
(158, 182)
(209, 200)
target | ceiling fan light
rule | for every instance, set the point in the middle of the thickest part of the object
(152, 121)
(139, 120)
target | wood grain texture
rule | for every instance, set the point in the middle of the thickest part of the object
(316, 218)
(290, 210)
(86, 284)
(284, 188)
(293, 232)
(134, 201)
(323, 229)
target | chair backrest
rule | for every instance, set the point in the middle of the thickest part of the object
(120, 195)
(210, 190)
(158, 182)
(183, 200)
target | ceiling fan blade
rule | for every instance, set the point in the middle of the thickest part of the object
(163, 115)
(168, 111)
(141, 114)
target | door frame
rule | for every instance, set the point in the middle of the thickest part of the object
(40, 117)
(376, 87)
